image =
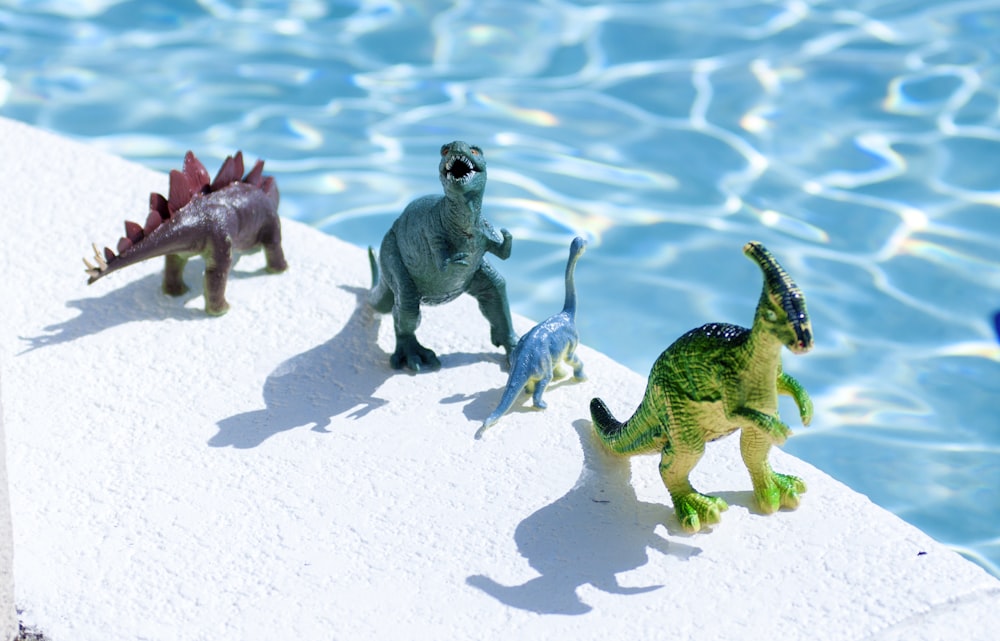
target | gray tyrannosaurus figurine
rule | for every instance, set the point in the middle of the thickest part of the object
(435, 251)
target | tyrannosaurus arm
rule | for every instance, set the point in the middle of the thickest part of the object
(442, 248)
(788, 385)
(499, 247)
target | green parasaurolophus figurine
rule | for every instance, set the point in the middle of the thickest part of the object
(202, 217)
(542, 353)
(712, 381)
(435, 251)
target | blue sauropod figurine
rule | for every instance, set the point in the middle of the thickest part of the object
(541, 353)
(435, 251)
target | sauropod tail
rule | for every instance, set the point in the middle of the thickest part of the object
(515, 385)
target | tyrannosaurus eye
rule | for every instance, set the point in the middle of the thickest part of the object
(770, 315)
(476, 151)
(444, 150)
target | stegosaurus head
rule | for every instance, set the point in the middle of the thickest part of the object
(782, 307)
(462, 168)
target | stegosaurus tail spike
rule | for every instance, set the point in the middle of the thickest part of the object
(96, 271)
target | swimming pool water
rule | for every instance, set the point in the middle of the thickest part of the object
(857, 139)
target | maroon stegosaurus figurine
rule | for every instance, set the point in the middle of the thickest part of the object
(212, 219)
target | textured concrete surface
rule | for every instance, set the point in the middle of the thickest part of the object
(266, 475)
(8, 611)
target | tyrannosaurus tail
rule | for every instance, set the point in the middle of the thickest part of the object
(380, 296)
(373, 263)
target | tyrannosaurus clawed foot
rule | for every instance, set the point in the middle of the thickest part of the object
(413, 356)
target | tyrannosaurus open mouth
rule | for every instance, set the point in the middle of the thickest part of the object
(460, 168)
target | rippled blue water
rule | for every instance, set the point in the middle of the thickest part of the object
(857, 139)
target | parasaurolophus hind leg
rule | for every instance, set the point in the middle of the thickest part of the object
(694, 510)
(771, 490)
(759, 431)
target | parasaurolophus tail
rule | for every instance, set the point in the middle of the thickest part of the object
(642, 433)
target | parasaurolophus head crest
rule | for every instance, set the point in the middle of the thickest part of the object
(782, 306)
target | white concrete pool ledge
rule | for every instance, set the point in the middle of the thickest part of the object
(266, 475)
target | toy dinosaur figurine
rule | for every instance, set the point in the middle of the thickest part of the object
(435, 251)
(204, 218)
(540, 354)
(713, 381)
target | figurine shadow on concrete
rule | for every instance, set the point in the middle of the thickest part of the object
(139, 300)
(341, 375)
(133, 302)
(595, 531)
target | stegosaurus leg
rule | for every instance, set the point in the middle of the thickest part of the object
(273, 253)
(694, 510)
(218, 262)
(173, 275)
